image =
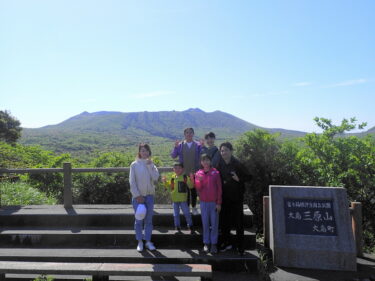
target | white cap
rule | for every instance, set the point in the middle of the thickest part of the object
(141, 212)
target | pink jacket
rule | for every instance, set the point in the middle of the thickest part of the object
(209, 188)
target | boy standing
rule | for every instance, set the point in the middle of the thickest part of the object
(178, 186)
(188, 152)
(211, 149)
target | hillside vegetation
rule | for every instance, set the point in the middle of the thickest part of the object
(87, 134)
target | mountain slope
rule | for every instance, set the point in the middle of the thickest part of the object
(106, 130)
(168, 124)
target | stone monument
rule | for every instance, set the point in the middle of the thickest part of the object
(310, 227)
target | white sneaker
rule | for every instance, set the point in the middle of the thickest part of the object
(206, 248)
(150, 246)
(195, 211)
(140, 246)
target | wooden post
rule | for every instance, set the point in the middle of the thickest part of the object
(68, 198)
(357, 226)
(266, 221)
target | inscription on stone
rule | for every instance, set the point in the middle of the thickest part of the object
(309, 217)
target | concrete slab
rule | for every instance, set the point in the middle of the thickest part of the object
(108, 254)
(216, 276)
(125, 269)
(86, 209)
(102, 237)
(365, 271)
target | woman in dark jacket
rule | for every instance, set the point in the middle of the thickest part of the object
(233, 176)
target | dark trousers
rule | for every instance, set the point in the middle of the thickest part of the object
(192, 197)
(231, 216)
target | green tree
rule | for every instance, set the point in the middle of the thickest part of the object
(332, 159)
(104, 188)
(10, 129)
(268, 162)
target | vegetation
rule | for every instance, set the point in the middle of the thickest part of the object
(20, 193)
(327, 159)
(10, 129)
(88, 134)
(44, 278)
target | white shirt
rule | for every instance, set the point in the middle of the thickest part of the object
(141, 178)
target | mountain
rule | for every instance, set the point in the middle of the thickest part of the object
(107, 130)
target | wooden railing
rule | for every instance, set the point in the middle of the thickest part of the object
(67, 170)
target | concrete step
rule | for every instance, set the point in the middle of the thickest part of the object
(102, 237)
(228, 261)
(90, 215)
(29, 277)
(216, 276)
(101, 271)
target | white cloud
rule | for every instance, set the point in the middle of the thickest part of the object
(349, 83)
(302, 84)
(152, 94)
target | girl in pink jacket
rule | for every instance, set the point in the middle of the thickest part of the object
(208, 185)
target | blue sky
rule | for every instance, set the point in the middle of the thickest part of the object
(276, 64)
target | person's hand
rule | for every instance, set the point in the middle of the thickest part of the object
(176, 143)
(140, 199)
(235, 177)
(149, 162)
(163, 179)
(201, 141)
(218, 208)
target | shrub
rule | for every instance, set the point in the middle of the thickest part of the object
(20, 193)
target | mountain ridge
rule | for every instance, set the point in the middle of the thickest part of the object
(87, 133)
(134, 116)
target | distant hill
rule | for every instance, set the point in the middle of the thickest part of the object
(106, 130)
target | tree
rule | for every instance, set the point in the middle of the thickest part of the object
(332, 159)
(269, 162)
(10, 129)
(327, 159)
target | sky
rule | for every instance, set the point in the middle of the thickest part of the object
(276, 64)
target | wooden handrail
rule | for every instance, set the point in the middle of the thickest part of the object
(74, 170)
(68, 170)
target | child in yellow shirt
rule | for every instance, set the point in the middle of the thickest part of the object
(178, 186)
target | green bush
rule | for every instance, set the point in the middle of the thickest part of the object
(20, 193)
(104, 188)
(101, 188)
(44, 278)
(326, 159)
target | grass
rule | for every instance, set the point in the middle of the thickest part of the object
(20, 193)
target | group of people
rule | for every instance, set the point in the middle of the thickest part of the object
(202, 169)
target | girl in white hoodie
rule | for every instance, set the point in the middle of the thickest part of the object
(143, 173)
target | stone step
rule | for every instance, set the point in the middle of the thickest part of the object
(56, 277)
(102, 237)
(102, 271)
(228, 261)
(216, 276)
(90, 215)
